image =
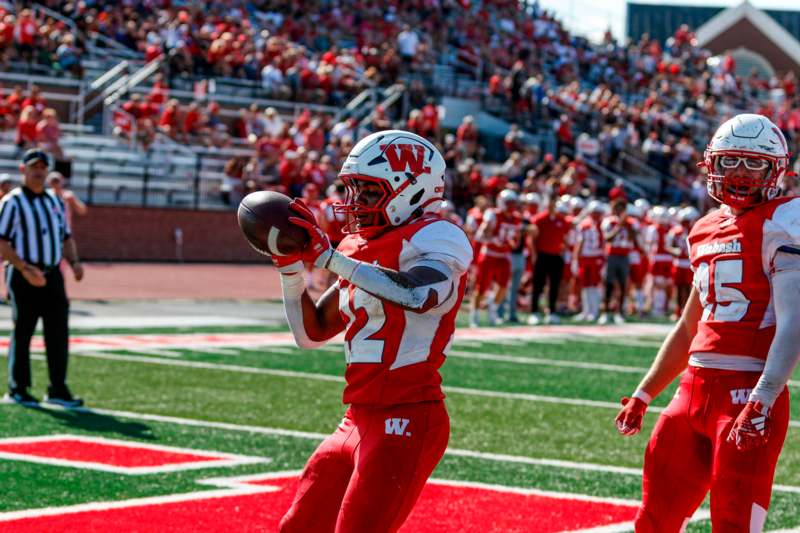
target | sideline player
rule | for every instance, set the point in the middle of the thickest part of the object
(401, 277)
(739, 334)
(500, 232)
(589, 260)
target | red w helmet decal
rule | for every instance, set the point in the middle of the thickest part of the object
(406, 158)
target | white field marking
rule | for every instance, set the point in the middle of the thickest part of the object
(261, 430)
(547, 362)
(338, 379)
(216, 459)
(210, 366)
(159, 353)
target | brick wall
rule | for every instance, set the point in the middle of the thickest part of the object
(148, 234)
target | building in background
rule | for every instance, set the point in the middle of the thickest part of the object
(764, 39)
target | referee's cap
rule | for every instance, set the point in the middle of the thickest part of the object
(35, 154)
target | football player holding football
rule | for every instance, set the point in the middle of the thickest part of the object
(739, 334)
(401, 277)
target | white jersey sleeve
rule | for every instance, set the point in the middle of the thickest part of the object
(781, 232)
(441, 241)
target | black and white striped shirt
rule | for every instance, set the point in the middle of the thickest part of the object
(35, 225)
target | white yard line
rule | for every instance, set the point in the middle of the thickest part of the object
(546, 362)
(339, 379)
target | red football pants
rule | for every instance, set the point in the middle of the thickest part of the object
(688, 454)
(492, 269)
(367, 476)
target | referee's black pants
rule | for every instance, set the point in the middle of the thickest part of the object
(548, 268)
(28, 304)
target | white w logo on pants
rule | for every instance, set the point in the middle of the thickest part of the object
(397, 426)
(740, 396)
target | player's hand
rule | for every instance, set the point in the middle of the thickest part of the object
(34, 276)
(77, 270)
(751, 428)
(629, 418)
(318, 250)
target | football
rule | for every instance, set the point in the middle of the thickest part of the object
(264, 219)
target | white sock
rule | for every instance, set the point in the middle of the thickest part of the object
(659, 301)
(586, 304)
(638, 295)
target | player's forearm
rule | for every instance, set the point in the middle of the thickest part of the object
(669, 363)
(400, 288)
(785, 348)
(295, 298)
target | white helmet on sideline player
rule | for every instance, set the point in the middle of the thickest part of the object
(659, 215)
(408, 169)
(506, 197)
(642, 204)
(744, 160)
(532, 198)
(688, 215)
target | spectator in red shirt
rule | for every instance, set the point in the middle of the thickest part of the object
(192, 121)
(35, 99)
(430, 120)
(159, 92)
(168, 123)
(48, 134)
(548, 236)
(314, 136)
(25, 33)
(26, 128)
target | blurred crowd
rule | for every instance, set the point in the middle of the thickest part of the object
(26, 36)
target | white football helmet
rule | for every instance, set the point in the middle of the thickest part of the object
(507, 196)
(532, 198)
(409, 170)
(742, 145)
(659, 215)
(576, 204)
(634, 211)
(688, 215)
(642, 204)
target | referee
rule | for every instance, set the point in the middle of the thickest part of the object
(34, 235)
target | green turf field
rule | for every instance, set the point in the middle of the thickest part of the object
(537, 401)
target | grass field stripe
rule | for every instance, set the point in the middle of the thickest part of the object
(521, 459)
(160, 353)
(338, 379)
(546, 362)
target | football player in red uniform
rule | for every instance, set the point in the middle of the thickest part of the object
(620, 233)
(588, 260)
(739, 335)
(678, 246)
(660, 260)
(500, 232)
(638, 262)
(401, 278)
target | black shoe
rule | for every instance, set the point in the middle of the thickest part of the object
(62, 397)
(21, 397)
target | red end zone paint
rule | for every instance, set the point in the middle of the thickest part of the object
(442, 508)
(103, 453)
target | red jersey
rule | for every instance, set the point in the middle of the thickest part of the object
(622, 243)
(505, 232)
(676, 238)
(553, 232)
(732, 258)
(656, 243)
(394, 355)
(591, 238)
